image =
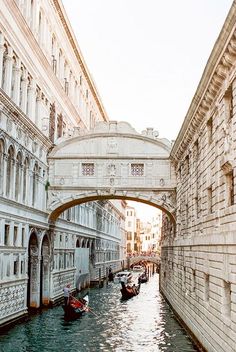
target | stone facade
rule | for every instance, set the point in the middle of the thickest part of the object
(46, 93)
(198, 275)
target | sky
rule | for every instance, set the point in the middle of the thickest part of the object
(147, 56)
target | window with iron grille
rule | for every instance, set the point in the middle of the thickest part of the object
(137, 169)
(87, 169)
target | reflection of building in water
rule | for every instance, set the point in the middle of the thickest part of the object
(46, 95)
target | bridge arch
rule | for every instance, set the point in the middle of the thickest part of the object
(112, 161)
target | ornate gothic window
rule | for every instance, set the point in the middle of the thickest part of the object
(25, 178)
(137, 169)
(9, 179)
(88, 169)
(35, 184)
(18, 176)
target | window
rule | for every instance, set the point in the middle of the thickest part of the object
(137, 169)
(87, 169)
(23, 237)
(129, 236)
(226, 299)
(209, 130)
(15, 235)
(209, 200)
(206, 292)
(187, 164)
(230, 188)
(6, 236)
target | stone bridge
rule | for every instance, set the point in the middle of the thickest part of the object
(112, 161)
(144, 258)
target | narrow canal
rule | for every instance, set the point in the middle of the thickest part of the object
(144, 323)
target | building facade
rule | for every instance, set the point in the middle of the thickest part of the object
(46, 93)
(198, 274)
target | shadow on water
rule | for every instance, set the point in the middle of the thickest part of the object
(142, 323)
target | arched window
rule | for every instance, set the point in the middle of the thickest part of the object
(18, 176)
(35, 184)
(78, 244)
(9, 180)
(25, 178)
(1, 165)
(13, 79)
(28, 95)
(4, 63)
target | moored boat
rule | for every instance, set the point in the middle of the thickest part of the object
(124, 276)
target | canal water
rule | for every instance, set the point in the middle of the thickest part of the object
(144, 323)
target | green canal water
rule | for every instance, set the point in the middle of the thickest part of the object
(144, 323)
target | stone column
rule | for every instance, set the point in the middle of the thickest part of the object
(35, 281)
(17, 75)
(2, 48)
(8, 72)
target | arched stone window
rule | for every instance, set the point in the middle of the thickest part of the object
(18, 176)
(1, 165)
(77, 243)
(10, 162)
(28, 94)
(13, 79)
(25, 179)
(35, 184)
(4, 64)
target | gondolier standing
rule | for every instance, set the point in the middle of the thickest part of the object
(66, 291)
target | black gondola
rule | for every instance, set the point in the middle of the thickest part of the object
(143, 278)
(75, 308)
(128, 292)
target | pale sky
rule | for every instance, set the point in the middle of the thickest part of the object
(147, 56)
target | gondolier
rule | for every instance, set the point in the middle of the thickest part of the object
(66, 291)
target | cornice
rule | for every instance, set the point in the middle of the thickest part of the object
(219, 65)
(61, 13)
(22, 119)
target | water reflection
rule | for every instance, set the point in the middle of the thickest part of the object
(144, 323)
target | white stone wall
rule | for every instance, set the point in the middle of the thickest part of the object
(198, 272)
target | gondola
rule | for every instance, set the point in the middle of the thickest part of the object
(128, 292)
(76, 308)
(143, 278)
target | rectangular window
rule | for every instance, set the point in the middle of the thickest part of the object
(23, 237)
(88, 169)
(187, 165)
(206, 293)
(15, 267)
(226, 299)
(209, 200)
(137, 169)
(210, 130)
(15, 235)
(6, 236)
(230, 188)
